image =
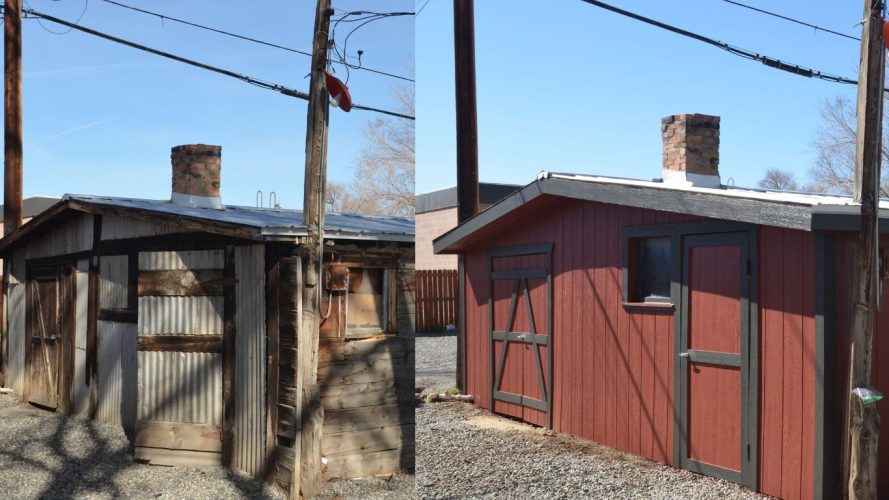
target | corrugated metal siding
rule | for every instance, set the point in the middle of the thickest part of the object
(114, 228)
(180, 315)
(81, 391)
(113, 281)
(70, 236)
(203, 259)
(250, 343)
(180, 387)
(117, 373)
(16, 322)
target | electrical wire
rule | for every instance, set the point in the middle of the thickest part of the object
(367, 17)
(245, 78)
(86, 4)
(792, 20)
(420, 10)
(746, 54)
(243, 37)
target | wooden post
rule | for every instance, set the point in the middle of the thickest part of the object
(12, 144)
(864, 419)
(310, 415)
(467, 125)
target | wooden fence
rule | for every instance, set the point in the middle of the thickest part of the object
(436, 299)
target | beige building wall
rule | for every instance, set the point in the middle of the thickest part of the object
(431, 225)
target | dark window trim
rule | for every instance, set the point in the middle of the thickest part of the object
(390, 304)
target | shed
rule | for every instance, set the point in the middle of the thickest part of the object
(692, 323)
(177, 319)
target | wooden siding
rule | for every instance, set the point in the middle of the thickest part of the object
(613, 367)
(787, 362)
(613, 370)
(436, 299)
(15, 330)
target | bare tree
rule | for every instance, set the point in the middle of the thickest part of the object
(384, 174)
(780, 180)
(834, 143)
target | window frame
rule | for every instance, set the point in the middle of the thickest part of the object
(389, 282)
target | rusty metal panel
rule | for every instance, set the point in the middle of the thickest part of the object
(16, 322)
(81, 391)
(180, 315)
(113, 280)
(336, 278)
(180, 387)
(203, 259)
(249, 425)
(75, 235)
(116, 393)
(115, 228)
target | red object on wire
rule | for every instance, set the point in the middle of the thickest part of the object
(886, 33)
(339, 93)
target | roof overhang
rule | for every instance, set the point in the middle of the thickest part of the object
(712, 203)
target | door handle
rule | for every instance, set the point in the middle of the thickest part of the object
(684, 354)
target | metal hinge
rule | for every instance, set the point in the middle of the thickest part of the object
(748, 451)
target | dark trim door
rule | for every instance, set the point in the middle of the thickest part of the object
(717, 387)
(520, 332)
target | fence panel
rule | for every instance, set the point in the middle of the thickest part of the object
(436, 299)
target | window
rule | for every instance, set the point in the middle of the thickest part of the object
(653, 269)
(647, 266)
(366, 304)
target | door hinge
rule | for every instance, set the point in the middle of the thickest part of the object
(748, 451)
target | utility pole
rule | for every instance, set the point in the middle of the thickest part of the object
(467, 143)
(863, 417)
(12, 144)
(306, 481)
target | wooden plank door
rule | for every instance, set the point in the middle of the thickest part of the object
(46, 299)
(521, 333)
(715, 432)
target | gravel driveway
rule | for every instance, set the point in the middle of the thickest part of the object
(463, 451)
(436, 363)
(45, 455)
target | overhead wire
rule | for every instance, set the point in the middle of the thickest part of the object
(86, 4)
(744, 53)
(243, 37)
(420, 10)
(792, 20)
(245, 78)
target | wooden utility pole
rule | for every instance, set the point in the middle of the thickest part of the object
(306, 481)
(864, 419)
(12, 145)
(467, 143)
(467, 125)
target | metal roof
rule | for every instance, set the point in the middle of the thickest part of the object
(803, 211)
(488, 193)
(271, 221)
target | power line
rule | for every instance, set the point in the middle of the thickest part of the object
(242, 37)
(86, 4)
(768, 61)
(420, 10)
(245, 78)
(797, 21)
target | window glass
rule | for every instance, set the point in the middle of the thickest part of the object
(653, 269)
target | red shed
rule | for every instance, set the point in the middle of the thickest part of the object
(693, 323)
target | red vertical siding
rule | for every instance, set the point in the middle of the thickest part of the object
(787, 377)
(613, 369)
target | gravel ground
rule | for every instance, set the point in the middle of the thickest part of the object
(464, 451)
(436, 360)
(44, 455)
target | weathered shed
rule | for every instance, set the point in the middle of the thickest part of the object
(696, 324)
(177, 319)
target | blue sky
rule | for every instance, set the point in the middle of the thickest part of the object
(567, 87)
(100, 118)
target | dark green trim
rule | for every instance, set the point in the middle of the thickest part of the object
(825, 475)
(712, 358)
(714, 471)
(461, 322)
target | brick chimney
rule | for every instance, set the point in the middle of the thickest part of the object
(196, 175)
(691, 150)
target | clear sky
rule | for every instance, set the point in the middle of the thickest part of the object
(565, 86)
(100, 118)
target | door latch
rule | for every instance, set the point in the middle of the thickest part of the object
(684, 354)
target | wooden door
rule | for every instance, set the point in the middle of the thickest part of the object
(47, 301)
(715, 394)
(521, 333)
